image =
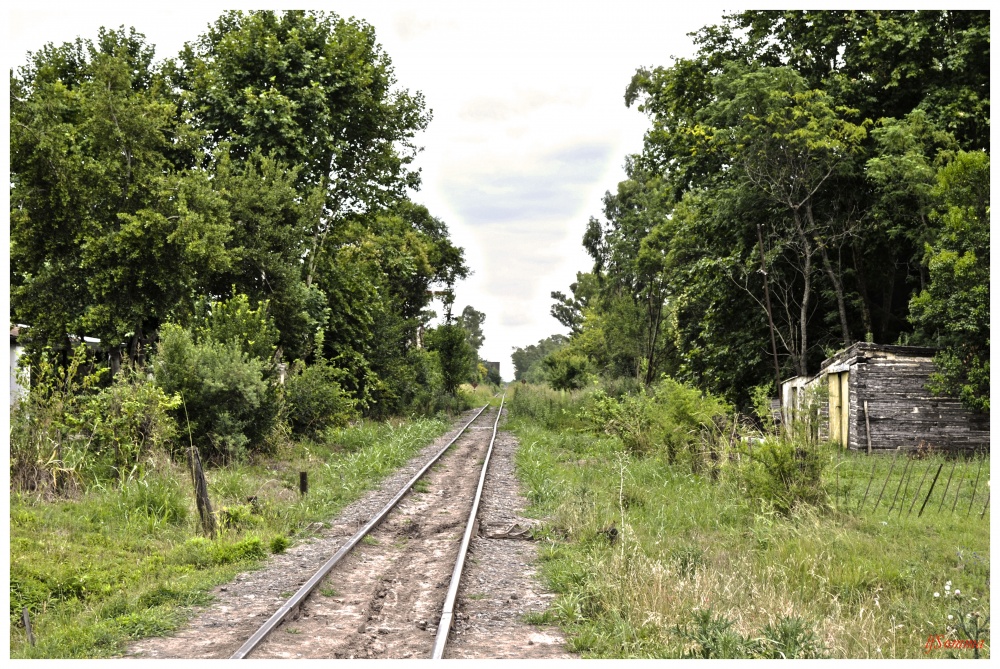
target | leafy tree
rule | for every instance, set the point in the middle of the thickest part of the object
(569, 310)
(767, 128)
(953, 312)
(789, 142)
(472, 322)
(567, 369)
(313, 90)
(456, 356)
(111, 226)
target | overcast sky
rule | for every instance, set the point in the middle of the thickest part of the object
(529, 130)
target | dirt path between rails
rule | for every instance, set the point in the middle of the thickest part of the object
(383, 600)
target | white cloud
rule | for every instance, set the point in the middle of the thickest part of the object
(542, 186)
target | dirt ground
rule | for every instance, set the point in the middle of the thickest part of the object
(384, 599)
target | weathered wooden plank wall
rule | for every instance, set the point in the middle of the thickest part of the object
(902, 412)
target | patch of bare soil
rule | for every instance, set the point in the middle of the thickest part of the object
(384, 599)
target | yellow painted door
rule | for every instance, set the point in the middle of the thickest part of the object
(845, 408)
(833, 382)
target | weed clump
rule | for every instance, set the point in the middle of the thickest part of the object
(279, 544)
(711, 636)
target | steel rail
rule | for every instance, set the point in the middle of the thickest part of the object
(295, 600)
(448, 611)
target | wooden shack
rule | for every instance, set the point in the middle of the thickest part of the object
(876, 393)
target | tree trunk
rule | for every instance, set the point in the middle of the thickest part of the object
(115, 359)
(838, 289)
(838, 286)
(866, 309)
(807, 252)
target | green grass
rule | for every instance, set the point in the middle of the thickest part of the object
(692, 569)
(114, 565)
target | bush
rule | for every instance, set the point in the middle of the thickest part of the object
(279, 544)
(626, 418)
(315, 399)
(233, 321)
(780, 473)
(670, 416)
(127, 421)
(227, 403)
(42, 430)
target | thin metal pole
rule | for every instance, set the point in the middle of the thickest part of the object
(975, 487)
(899, 485)
(870, 477)
(958, 491)
(448, 611)
(948, 484)
(931, 490)
(917, 493)
(888, 476)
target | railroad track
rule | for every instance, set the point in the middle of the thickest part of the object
(379, 594)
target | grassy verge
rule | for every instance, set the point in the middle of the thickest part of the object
(118, 564)
(650, 560)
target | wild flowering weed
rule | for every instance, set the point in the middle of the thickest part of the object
(965, 625)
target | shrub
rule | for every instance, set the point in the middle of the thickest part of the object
(790, 639)
(683, 415)
(712, 637)
(279, 544)
(227, 403)
(237, 517)
(626, 418)
(40, 430)
(233, 321)
(671, 415)
(127, 421)
(315, 399)
(780, 473)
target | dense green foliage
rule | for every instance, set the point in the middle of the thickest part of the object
(268, 163)
(850, 149)
(529, 361)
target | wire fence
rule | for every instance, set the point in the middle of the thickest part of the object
(911, 483)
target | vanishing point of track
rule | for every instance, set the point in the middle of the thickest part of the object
(296, 602)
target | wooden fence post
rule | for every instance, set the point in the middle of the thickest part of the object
(201, 493)
(27, 625)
